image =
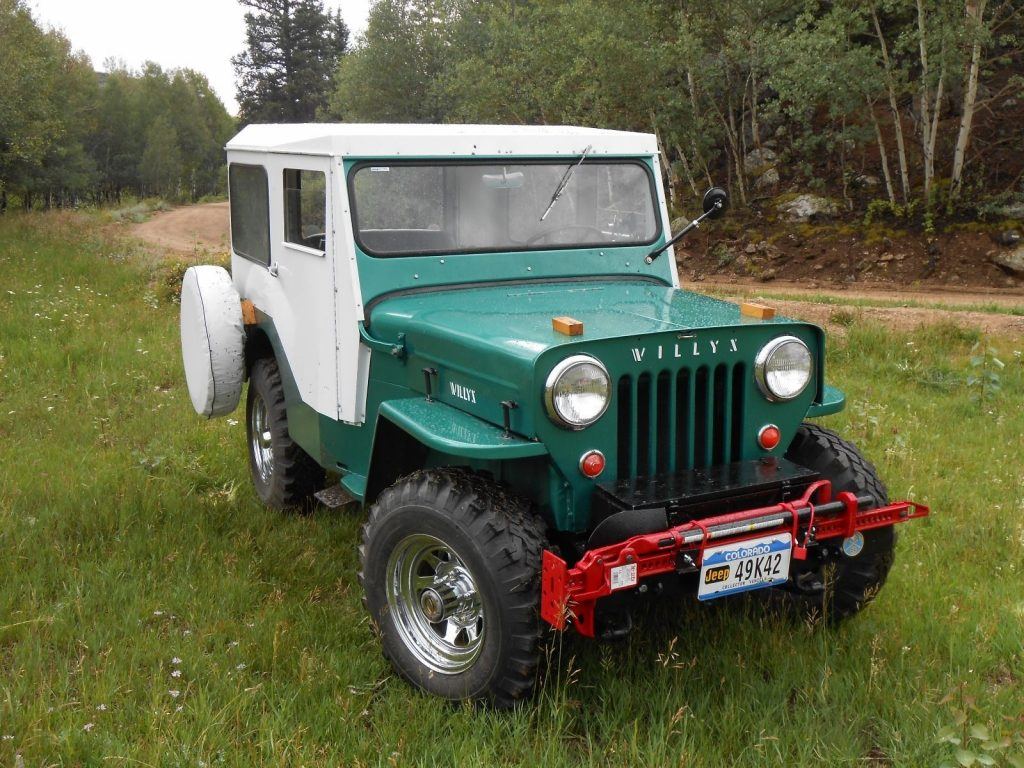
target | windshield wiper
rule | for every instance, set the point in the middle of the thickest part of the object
(565, 180)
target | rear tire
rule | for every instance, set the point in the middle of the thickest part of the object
(283, 474)
(843, 587)
(450, 570)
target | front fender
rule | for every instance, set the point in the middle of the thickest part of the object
(445, 429)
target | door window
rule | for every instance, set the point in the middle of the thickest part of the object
(305, 208)
(250, 212)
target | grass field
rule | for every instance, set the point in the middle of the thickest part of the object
(153, 614)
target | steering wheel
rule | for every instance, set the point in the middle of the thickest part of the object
(541, 235)
(317, 241)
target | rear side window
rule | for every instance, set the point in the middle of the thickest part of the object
(250, 212)
(305, 208)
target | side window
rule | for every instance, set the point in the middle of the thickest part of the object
(250, 211)
(305, 208)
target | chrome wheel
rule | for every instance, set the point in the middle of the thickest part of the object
(260, 439)
(435, 604)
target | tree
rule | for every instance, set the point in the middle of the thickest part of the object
(399, 74)
(292, 49)
(28, 127)
(161, 166)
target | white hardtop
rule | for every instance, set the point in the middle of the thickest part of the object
(415, 140)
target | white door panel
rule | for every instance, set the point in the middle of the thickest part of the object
(297, 290)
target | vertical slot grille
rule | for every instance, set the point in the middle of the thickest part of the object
(670, 421)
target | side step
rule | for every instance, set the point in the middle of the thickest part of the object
(334, 496)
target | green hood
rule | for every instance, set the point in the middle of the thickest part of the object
(515, 319)
(495, 342)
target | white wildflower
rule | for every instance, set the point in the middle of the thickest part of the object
(174, 694)
(88, 727)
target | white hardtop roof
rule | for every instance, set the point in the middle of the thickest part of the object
(397, 140)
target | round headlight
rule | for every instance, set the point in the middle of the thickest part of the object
(577, 391)
(783, 368)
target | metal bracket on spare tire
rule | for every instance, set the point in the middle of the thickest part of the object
(212, 340)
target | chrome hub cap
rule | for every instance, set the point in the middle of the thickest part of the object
(260, 440)
(434, 601)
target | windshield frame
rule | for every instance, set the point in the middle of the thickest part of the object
(641, 162)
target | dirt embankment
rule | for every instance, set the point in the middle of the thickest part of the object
(881, 286)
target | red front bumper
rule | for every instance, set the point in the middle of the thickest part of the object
(569, 595)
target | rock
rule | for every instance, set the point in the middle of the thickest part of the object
(678, 224)
(866, 180)
(807, 207)
(751, 248)
(766, 180)
(1009, 237)
(1012, 211)
(767, 276)
(1011, 261)
(759, 160)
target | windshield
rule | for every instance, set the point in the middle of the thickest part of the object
(411, 208)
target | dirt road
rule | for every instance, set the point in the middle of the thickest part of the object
(193, 229)
(189, 229)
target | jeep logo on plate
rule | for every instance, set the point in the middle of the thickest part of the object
(690, 348)
(715, 575)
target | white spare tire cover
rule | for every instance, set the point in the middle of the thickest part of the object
(212, 340)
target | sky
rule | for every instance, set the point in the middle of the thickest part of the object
(200, 34)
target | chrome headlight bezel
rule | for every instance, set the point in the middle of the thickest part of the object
(554, 378)
(763, 360)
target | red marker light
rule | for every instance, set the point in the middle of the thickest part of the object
(592, 463)
(769, 437)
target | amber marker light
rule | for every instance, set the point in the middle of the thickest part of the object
(592, 463)
(769, 437)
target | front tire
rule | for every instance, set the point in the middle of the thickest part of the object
(842, 588)
(450, 570)
(283, 474)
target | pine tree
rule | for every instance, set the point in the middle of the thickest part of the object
(292, 49)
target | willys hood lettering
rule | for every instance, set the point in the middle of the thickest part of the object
(687, 349)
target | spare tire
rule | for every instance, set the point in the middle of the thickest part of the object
(212, 340)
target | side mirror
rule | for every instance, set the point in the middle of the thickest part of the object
(716, 201)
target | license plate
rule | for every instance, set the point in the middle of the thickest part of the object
(744, 565)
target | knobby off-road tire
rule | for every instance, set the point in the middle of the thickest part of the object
(284, 475)
(855, 580)
(450, 569)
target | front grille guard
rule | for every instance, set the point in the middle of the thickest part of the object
(569, 595)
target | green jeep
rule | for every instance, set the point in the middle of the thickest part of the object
(477, 333)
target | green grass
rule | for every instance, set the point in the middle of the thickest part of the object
(152, 613)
